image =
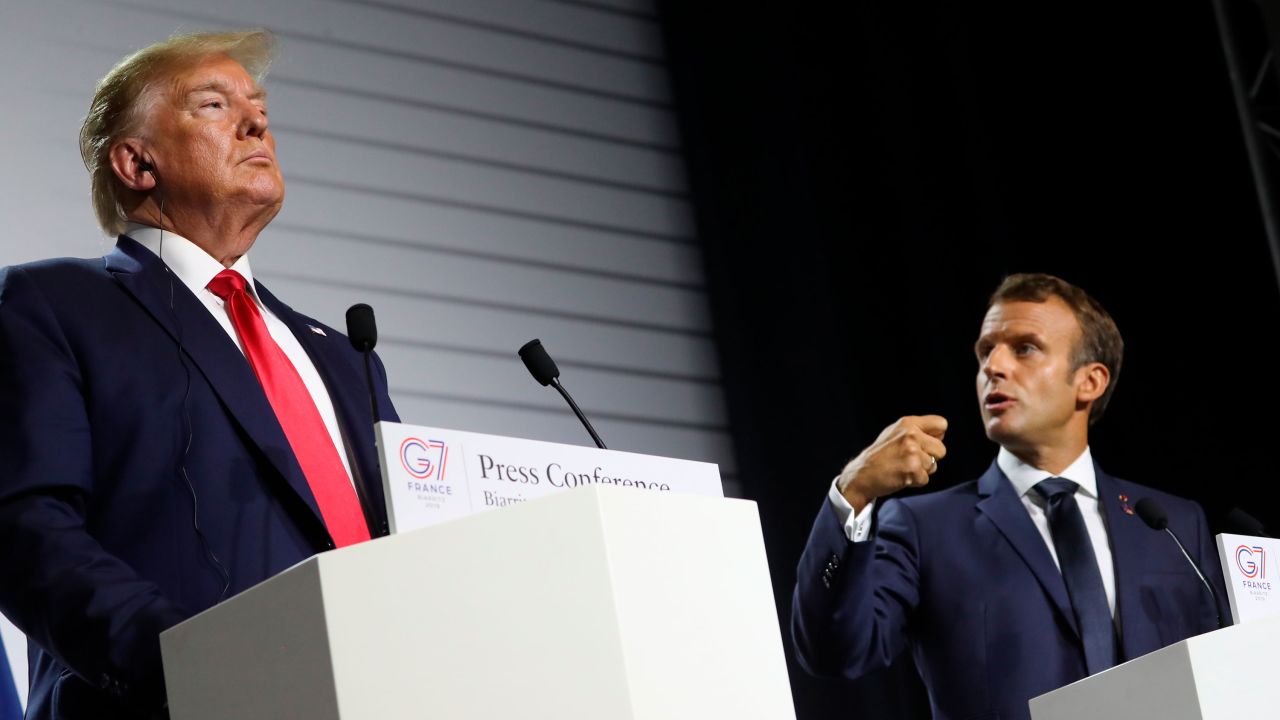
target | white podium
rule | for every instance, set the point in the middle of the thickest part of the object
(1222, 675)
(599, 602)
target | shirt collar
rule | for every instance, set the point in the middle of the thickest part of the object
(1024, 476)
(193, 266)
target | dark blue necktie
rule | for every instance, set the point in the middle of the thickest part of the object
(1080, 571)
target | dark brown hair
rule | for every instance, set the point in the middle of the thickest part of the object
(1100, 339)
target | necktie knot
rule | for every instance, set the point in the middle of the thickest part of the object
(225, 283)
(1055, 487)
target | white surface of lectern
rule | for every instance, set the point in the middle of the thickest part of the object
(600, 602)
(1222, 675)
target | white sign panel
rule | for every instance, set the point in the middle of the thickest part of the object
(1250, 570)
(433, 474)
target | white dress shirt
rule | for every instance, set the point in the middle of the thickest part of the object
(1023, 477)
(195, 268)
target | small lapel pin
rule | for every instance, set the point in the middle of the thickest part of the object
(1124, 500)
(317, 330)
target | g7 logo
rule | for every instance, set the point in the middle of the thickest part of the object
(1250, 567)
(421, 458)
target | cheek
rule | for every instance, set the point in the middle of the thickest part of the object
(1056, 393)
(205, 154)
(205, 157)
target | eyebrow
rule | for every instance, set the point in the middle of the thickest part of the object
(1011, 340)
(259, 93)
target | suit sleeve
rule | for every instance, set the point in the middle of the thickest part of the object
(852, 601)
(84, 606)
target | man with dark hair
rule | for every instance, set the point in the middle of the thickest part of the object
(1099, 340)
(171, 433)
(1029, 578)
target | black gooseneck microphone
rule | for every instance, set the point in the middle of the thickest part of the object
(544, 370)
(1245, 524)
(362, 331)
(1156, 519)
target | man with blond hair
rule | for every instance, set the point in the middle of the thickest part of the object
(171, 432)
(1029, 578)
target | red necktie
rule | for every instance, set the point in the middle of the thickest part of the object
(297, 413)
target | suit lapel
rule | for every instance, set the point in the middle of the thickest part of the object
(204, 341)
(350, 402)
(1126, 534)
(1001, 505)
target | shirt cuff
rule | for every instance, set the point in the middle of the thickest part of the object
(856, 527)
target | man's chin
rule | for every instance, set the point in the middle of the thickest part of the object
(267, 202)
(266, 188)
(999, 431)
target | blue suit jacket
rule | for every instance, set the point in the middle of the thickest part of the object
(108, 369)
(963, 579)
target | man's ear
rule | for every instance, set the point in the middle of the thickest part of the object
(132, 165)
(1091, 382)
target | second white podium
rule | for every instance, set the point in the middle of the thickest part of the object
(601, 602)
(1222, 675)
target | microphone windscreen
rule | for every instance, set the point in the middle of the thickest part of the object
(1152, 514)
(1242, 523)
(361, 328)
(541, 366)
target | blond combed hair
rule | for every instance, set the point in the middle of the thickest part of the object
(123, 98)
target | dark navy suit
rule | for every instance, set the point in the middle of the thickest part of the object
(108, 367)
(963, 579)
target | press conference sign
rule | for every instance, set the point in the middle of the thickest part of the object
(1249, 566)
(431, 474)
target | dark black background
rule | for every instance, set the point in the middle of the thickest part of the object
(864, 175)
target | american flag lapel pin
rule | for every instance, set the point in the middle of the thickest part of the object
(1124, 500)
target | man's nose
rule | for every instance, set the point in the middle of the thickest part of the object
(997, 362)
(253, 121)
